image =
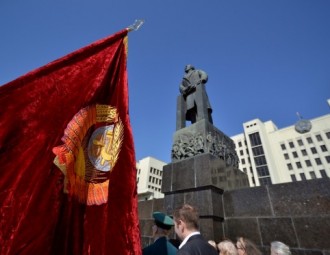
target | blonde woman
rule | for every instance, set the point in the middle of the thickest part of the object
(227, 247)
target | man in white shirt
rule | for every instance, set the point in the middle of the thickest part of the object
(186, 227)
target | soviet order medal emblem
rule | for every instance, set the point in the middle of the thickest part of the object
(92, 142)
(303, 126)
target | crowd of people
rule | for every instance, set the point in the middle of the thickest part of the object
(186, 226)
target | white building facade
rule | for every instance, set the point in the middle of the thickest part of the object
(149, 178)
(270, 155)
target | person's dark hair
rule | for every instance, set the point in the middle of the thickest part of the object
(188, 214)
(248, 246)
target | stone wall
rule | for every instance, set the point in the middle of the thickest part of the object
(297, 214)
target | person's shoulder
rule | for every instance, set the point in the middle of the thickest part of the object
(198, 242)
(171, 248)
(148, 249)
(183, 252)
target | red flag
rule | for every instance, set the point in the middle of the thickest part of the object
(74, 112)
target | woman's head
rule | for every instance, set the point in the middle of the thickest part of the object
(246, 247)
(227, 248)
(279, 248)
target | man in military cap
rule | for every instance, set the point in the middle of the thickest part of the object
(161, 230)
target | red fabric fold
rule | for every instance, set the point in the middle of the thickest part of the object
(36, 216)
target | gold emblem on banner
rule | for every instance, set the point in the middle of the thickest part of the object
(92, 143)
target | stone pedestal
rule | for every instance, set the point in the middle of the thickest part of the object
(200, 181)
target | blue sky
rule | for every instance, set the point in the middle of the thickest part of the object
(265, 59)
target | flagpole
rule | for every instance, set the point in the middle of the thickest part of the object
(137, 24)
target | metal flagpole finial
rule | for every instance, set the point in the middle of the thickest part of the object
(137, 24)
(299, 116)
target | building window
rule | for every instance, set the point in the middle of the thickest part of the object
(300, 142)
(244, 169)
(318, 161)
(243, 161)
(304, 152)
(324, 148)
(328, 135)
(265, 181)
(258, 151)
(291, 144)
(309, 140)
(260, 161)
(308, 162)
(295, 155)
(283, 146)
(262, 171)
(241, 153)
(323, 173)
(286, 155)
(303, 177)
(312, 174)
(313, 149)
(327, 158)
(319, 138)
(255, 139)
(239, 144)
(298, 164)
(289, 166)
(293, 178)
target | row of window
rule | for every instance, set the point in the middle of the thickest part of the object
(241, 152)
(251, 125)
(313, 150)
(240, 143)
(308, 139)
(312, 175)
(155, 171)
(308, 163)
(154, 188)
(155, 180)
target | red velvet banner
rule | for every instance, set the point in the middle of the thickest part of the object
(74, 111)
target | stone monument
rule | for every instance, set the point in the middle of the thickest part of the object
(204, 160)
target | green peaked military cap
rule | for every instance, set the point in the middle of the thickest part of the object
(162, 220)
